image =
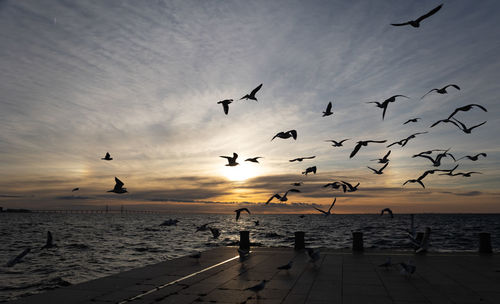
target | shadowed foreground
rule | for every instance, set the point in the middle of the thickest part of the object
(337, 277)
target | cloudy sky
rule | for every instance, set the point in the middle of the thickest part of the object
(141, 80)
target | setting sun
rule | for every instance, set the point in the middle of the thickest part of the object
(240, 173)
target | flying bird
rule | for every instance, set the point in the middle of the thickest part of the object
(436, 162)
(309, 170)
(253, 159)
(416, 119)
(404, 141)
(231, 161)
(286, 135)
(388, 211)
(75, 189)
(448, 120)
(299, 159)
(442, 90)
(337, 143)
(118, 187)
(416, 23)
(464, 128)
(238, 211)
(415, 181)
(384, 159)
(203, 227)
(257, 223)
(467, 108)
(327, 213)
(107, 157)
(364, 143)
(252, 94)
(296, 184)
(215, 232)
(49, 243)
(282, 198)
(466, 174)
(379, 171)
(334, 185)
(421, 177)
(351, 187)
(225, 104)
(450, 172)
(328, 111)
(473, 157)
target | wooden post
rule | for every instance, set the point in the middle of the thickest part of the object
(245, 240)
(299, 240)
(357, 241)
(485, 243)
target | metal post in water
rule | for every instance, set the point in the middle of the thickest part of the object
(357, 241)
(245, 240)
(485, 243)
(299, 240)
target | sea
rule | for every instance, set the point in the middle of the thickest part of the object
(90, 246)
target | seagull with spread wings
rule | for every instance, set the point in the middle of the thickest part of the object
(442, 90)
(379, 171)
(231, 161)
(282, 198)
(337, 143)
(416, 22)
(464, 128)
(364, 143)
(238, 212)
(252, 94)
(118, 187)
(351, 187)
(384, 159)
(467, 108)
(286, 135)
(473, 157)
(299, 159)
(328, 111)
(253, 159)
(327, 213)
(416, 119)
(310, 170)
(225, 104)
(388, 211)
(107, 157)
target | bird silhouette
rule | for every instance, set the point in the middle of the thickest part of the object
(467, 108)
(421, 177)
(466, 174)
(464, 128)
(49, 243)
(238, 212)
(328, 111)
(415, 181)
(442, 90)
(416, 119)
(388, 211)
(253, 159)
(384, 159)
(203, 227)
(282, 198)
(404, 141)
(407, 269)
(351, 187)
(310, 170)
(75, 189)
(258, 287)
(448, 120)
(386, 102)
(287, 134)
(252, 94)
(215, 232)
(379, 171)
(449, 172)
(364, 143)
(225, 104)
(107, 157)
(118, 187)
(327, 213)
(299, 159)
(334, 185)
(231, 161)
(337, 143)
(436, 162)
(296, 184)
(473, 157)
(416, 22)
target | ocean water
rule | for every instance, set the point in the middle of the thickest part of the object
(90, 246)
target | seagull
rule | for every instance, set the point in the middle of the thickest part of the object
(464, 128)
(18, 258)
(282, 198)
(466, 174)
(334, 185)
(412, 120)
(258, 287)
(337, 143)
(384, 159)
(364, 143)
(416, 23)
(252, 94)
(386, 102)
(238, 211)
(379, 171)
(473, 157)
(450, 172)
(467, 108)
(327, 213)
(313, 254)
(231, 160)
(118, 187)
(107, 157)
(296, 184)
(257, 223)
(414, 181)
(407, 269)
(445, 121)
(75, 189)
(351, 187)
(253, 159)
(388, 211)
(309, 170)
(404, 141)
(286, 266)
(437, 161)
(328, 111)
(203, 227)
(287, 134)
(49, 243)
(387, 263)
(215, 232)
(299, 159)
(225, 104)
(442, 90)
(421, 177)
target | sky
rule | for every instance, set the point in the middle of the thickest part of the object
(141, 80)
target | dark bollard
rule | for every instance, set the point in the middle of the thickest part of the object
(299, 240)
(357, 241)
(485, 243)
(245, 240)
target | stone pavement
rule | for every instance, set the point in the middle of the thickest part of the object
(338, 277)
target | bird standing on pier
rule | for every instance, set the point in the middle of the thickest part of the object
(258, 287)
(387, 263)
(286, 266)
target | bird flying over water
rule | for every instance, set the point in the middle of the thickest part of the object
(118, 187)
(388, 211)
(282, 198)
(231, 160)
(49, 243)
(328, 111)
(238, 212)
(225, 104)
(327, 213)
(364, 143)
(416, 22)
(287, 134)
(442, 90)
(310, 170)
(473, 157)
(379, 171)
(384, 159)
(252, 94)
(467, 108)
(416, 119)
(299, 159)
(253, 159)
(337, 143)
(107, 157)
(215, 232)
(75, 189)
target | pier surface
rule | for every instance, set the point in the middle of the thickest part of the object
(337, 277)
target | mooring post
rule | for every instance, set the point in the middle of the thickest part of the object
(357, 241)
(485, 243)
(245, 240)
(299, 240)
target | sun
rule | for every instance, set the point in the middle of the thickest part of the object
(240, 173)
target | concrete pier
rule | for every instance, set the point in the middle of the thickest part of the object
(219, 276)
